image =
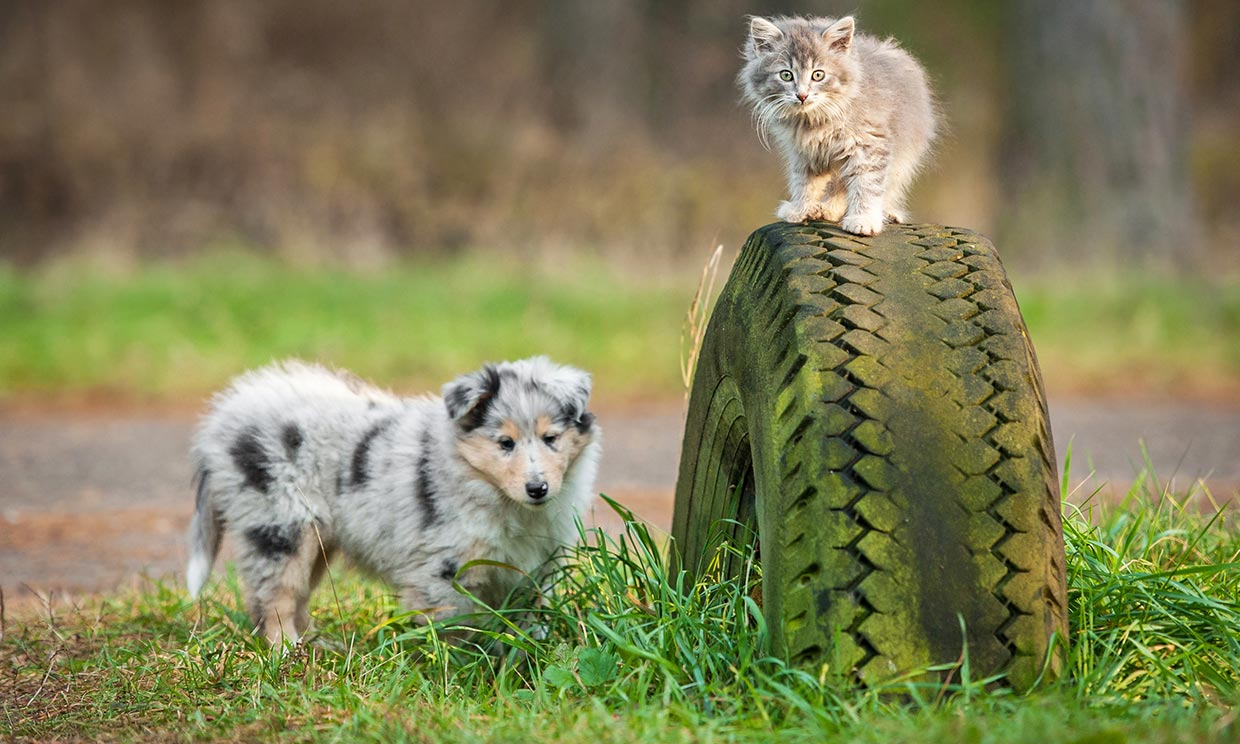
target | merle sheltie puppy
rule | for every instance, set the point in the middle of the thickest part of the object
(297, 461)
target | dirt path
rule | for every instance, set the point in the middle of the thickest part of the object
(89, 502)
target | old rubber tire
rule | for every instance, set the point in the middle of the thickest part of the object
(872, 407)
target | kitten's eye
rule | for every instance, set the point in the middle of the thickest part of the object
(818, 75)
(506, 444)
(550, 439)
(785, 75)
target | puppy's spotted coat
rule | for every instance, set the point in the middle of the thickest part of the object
(298, 461)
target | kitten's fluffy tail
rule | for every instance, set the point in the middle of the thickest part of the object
(204, 536)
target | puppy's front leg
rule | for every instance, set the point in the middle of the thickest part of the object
(432, 606)
(545, 581)
(536, 628)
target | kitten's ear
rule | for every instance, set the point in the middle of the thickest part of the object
(762, 36)
(839, 35)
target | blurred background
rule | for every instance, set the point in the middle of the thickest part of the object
(173, 176)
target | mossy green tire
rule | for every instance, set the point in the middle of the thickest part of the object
(872, 408)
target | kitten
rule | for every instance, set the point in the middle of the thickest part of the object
(853, 116)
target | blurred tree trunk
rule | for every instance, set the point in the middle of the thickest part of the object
(665, 24)
(1096, 142)
(33, 194)
(587, 51)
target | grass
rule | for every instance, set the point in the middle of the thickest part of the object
(633, 654)
(176, 330)
(1126, 332)
(171, 331)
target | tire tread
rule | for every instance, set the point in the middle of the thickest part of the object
(819, 295)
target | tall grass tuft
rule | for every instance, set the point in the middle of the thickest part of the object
(1154, 599)
(694, 328)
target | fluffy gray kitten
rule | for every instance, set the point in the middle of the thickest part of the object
(852, 114)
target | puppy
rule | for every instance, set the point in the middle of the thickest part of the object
(298, 461)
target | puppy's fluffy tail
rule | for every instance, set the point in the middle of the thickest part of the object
(204, 536)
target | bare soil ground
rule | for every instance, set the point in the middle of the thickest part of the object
(91, 499)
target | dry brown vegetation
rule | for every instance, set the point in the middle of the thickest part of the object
(373, 129)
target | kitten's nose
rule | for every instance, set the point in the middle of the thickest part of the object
(802, 96)
(536, 490)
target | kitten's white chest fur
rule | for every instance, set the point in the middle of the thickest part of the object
(852, 115)
(819, 148)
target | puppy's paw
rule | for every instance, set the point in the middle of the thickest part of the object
(798, 211)
(863, 224)
(897, 218)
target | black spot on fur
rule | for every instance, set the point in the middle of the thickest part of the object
(584, 422)
(248, 455)
(449, 569)
(358, 475)
(455, 399)
(291, 436)
(274, 540)
(425, 486)
(469, 404)
(578, 419)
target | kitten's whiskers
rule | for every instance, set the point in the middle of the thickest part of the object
(762, 115)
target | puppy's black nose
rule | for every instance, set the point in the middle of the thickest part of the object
(536, 490)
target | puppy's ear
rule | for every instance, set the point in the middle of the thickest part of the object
(571, 387)
(469, 396)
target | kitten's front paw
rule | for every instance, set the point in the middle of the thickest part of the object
(863, 224)
(799, 211)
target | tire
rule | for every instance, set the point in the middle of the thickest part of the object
(872, 408)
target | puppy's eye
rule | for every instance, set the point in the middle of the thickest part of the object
(506, 444)
(818, 75)
(550, 439)
(785, 75)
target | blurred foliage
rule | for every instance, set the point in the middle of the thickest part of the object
(362, 132)
(166, 331)
(1131, 332)
(83, 328)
